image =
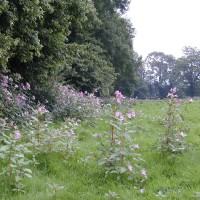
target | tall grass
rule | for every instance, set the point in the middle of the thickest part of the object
(79, 178)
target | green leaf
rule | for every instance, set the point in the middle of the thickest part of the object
(4, 148)
(28, 175)
(122, 170)
(28, 170)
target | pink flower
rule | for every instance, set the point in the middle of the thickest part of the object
(131, 115)
(178, 101)
(130, 167)
(173, 90)
(20, 99)
(182, 134)
(136, 146)
(119, 116)
(17, 135)
(5, 81)
(27, 86)
(70, 133)
(42, 110)
(9, 98)
(172, 93)
(122, 118)
(81, 94)
(96, 135)
(97, 101)
(141, 190)
(144, 173)
(118, 96)
(23, 86)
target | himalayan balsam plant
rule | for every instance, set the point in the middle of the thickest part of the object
(173, 140)
(15, 164)
(45, 138)
(70, 103)
(19, 147)
(15, 101)
(117, 154)
(111, 195)
(63, 140)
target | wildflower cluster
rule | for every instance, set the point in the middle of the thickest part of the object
(69, 102)
(173, 137)
(14, 160)
(15, 100)
(21, 144)
(119, 96)
(117, 153)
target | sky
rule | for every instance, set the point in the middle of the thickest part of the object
(165, 25)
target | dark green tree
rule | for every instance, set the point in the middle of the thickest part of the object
(90, 67)
(85, 43)
(142, 88)
(159, 70)
(116, 34)
(90, 70)
(188, 71)
(34, 36)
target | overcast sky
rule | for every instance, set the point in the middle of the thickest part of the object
(165, 25)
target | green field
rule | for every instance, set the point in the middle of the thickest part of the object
(169, 176)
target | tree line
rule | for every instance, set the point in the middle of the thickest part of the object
(161, 72)
(86, 44)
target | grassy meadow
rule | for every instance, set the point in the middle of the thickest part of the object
(169, 177)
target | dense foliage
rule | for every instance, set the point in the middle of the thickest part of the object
(70, 103)
(87, 44)
(161, 72)
(16, 103)
(41, 149)
(188, 71)
(55, 56)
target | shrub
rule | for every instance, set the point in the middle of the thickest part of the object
(14, 162)
(20, 148)
(70, 103)
(16, 103)
(173, 140)
(117, 154)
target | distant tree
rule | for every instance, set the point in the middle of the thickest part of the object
(116, 35)
(90, 69)
(107, 7)
(188, 71)
(85, 43)
(159, 67)
(142, 88)
(34, 36)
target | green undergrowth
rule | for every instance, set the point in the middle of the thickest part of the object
(79, 178)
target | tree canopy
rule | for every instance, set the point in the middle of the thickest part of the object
(84, 43)
(159, 67)
(188, 71)
(87, 44)
(161, 72)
